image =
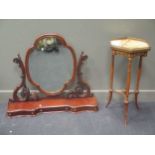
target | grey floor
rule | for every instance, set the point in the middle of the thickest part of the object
(105, 121)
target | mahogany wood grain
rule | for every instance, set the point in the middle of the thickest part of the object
(46, 105)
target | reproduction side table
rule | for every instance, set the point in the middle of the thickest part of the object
(130, 48)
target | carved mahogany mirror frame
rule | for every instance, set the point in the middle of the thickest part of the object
(77, 98)
(63, 43)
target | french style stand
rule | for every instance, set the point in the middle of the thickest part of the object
(130, 48)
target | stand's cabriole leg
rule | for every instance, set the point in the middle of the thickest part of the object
(111, 79)
(127, 91)
(139, 71)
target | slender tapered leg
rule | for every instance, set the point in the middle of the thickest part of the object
(139, 71)
(127, 91)
(111, 79)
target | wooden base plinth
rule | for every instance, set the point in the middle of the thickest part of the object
(47, 105)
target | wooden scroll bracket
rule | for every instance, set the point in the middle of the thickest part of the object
(25, 102)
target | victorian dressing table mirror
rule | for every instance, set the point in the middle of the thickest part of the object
(55, 79)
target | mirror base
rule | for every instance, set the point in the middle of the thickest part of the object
(46, 105)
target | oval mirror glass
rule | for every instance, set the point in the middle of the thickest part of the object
(51, 65)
